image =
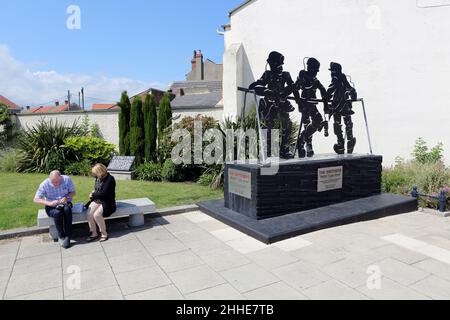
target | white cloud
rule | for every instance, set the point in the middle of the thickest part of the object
(26, 87)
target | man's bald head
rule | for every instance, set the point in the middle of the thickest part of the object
(55, 178)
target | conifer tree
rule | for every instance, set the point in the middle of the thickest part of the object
(150, 128)
(124, 125)
(137, 130)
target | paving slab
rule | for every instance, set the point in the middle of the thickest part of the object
(131, 262)
(401, 254)
(348, 272)
(164, 293)
(164, 247)
(246, 245)
(142, 280)
(437, 268)
(249, 277)
(301, 275)
(90, 280)
(333, 290)
(292, 244)
(7, 261)
(33, 247)
(433, 287)
(80, 249)
(22, 284)
(36, 264)
(87, 262)
(9, 248)
(228, 234)
(109, 294)
(223, 292)
(222, 260)
(275, 292)
(272, 258)
(155, 233)
(316, 255)
(212, 225)
(52, 294)
(391, 290)
(179, 261)
(196, 279)
(401, 272)
(114, 249)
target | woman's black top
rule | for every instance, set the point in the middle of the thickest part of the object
(105, 194)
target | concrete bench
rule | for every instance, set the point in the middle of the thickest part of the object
(134, 209)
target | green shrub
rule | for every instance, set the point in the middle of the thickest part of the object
(79, 168)
(124, 124)
(9, 160)
(171, 172)
(165, 116)
(149, 172)
(94, 150)
(206, 179)
(429, 178)
(137, 137)
(42, 147)
(422, 154)
(150, 127)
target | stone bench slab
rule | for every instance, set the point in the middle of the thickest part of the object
(134, 208)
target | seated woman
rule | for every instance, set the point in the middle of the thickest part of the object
(103, 202)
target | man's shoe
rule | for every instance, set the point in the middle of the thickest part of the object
(61, 242)
(66, 243)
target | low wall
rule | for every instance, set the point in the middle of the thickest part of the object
(107, 121)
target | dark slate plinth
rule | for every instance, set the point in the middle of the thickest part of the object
(288, 226)
(295, 187)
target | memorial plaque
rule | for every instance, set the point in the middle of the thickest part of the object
(240, 183)
(330, 179)
(121, 164)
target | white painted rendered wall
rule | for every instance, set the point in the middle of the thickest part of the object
(107, 121)
(397, 54)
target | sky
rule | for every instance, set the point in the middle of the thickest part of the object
(119, 45)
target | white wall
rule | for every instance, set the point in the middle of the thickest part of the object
(107, 121)
(397, 54)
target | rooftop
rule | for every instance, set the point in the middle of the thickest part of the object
(11, 105)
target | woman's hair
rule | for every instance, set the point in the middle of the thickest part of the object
(100, 171)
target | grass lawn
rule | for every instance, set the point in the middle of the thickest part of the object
(17, 191)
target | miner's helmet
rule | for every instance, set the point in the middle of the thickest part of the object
(275, 58)
(335, 67)
(313, 64)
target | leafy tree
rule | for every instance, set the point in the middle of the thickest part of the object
(6, 126)
(165, 116)
(422, 154)
(124, 125)
(150, 128)
(137, 130)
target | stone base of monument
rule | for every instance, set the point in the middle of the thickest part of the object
(289, 198)
(122, 175)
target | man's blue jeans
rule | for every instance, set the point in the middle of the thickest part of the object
(63, 220)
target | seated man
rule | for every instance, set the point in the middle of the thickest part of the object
(56, 194)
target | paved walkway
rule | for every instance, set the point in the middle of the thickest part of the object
(192, 256)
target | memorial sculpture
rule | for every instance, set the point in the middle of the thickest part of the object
(342, 94)
(312, 119)
(275, 86)
(274, 200)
